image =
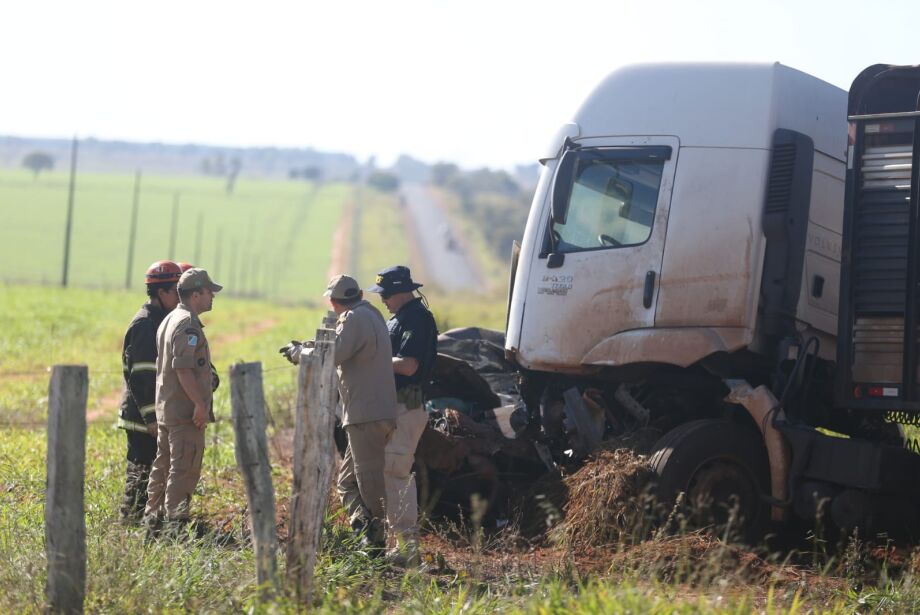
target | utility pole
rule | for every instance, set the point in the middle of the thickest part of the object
(244, 271)
(232, 287)
(174, 227)
(69, 224)
(198, 239)
(220, 242)
(132, 234)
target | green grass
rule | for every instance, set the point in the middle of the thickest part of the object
(122, 573)
(382, 238)
(48, 325)
(269, 238)
(127, 575)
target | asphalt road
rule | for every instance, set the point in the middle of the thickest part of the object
(446, 261)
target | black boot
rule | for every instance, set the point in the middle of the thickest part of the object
(370, 536)
(153, 527)
(135, 497)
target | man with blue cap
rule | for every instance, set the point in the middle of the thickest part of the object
(414, 341)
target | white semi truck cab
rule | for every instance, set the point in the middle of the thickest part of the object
(680, 273)
(647, 240)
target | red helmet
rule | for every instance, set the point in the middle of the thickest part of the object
(162, 271)
(183, 267)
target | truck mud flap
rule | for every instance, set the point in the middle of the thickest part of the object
(849, 462)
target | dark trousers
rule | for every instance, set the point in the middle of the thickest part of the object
(142, 448)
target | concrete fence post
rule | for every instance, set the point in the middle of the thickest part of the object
(65, 524)
(249, 423)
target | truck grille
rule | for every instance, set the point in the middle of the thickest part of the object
(880, 250)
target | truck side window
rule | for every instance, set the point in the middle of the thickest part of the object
(612, 204)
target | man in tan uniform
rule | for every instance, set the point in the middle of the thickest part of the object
(183, 401)
(362, 352)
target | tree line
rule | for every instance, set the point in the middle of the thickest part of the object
(494, 199)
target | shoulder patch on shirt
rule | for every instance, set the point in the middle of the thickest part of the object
(192, 340)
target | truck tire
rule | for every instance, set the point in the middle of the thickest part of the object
(722, 468)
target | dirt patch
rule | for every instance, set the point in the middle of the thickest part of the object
(338, 261)
(232, 338)
(495, 562)
(694, 561)
(700, 558)
(25, 376)
(106, 407)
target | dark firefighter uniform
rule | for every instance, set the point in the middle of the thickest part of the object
(139, 364)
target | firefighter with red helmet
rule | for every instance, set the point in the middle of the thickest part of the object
(139, 363)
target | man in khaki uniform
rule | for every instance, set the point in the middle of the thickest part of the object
(362, 352)
(183, 400)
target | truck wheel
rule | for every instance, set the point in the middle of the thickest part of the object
(723, 470)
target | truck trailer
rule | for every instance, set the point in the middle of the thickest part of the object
(725, 255)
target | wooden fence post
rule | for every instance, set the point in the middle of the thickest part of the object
(313, 461)
(65, 525)
(249, 423)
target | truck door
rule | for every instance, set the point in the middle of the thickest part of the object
(597, 271)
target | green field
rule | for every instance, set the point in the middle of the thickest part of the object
(48, 325)
(381, 239)
(269, 238)
(127, 575)
(293, 224)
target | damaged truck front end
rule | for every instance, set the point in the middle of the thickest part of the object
(677, 292)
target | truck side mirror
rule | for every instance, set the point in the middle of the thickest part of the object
(562, 186)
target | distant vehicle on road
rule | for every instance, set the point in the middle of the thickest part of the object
(447, 236)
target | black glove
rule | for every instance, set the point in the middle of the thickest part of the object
(291, 352)
(215, 379)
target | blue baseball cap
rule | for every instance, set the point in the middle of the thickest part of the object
(394, 280)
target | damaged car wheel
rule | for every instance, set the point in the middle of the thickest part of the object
(722, 470)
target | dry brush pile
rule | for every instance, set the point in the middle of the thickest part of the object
(608, 501)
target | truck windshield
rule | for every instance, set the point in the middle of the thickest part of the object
(613, 201)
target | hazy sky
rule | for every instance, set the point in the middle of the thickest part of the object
(476, 82)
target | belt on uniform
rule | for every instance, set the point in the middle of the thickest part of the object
(410, 396)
